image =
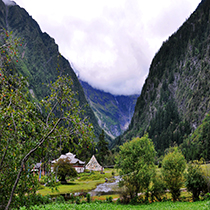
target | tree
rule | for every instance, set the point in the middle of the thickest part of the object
(158, 188)
(197, 145)
(102, 147)
(173, 167)
(136, 164)
(30, 131)
(195, 180)
(64, 168)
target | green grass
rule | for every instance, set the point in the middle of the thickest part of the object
(72, 187)
(204, 205)
(85, 183)
(88, 182)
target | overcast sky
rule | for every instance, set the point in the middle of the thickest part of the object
(110, 43)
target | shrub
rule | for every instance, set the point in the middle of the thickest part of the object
(88, 198)
(109, 199)
(64, 168)
(195, 180)
(173, 167)
(118, 201)
(158, 188)
(77, 200)
(32, 199)
(136, 164)
(60, 199)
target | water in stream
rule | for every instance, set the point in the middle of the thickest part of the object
(106, 188)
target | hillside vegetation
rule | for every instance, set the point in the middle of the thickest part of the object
(176, 95)
(114, 112)
(39, 57)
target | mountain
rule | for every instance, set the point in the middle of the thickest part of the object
(176, 95)
(39, 57)
(114, 112)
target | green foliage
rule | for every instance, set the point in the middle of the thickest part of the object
(173, 167)
(78, 200)
(30, 200)
(195, 180)
(88, 196)
(179, 74)
(136, 164)
(20, 126)
(25, 135)
(111, 206)
(197, 145)
(40, 60)
(109, 199)
(64, 168)
(102, 148)
(93, 175)
(60, 199)
(158, 188)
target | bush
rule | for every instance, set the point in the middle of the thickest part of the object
(64, 168)
(91, 176)
(31, 200)
(77, 200)
(158, 188)
(195, 180)
(88, 198)
(136, 164)
(134, 200)
(60, 199)
(118, 201)
(173, 167)
(109, 199)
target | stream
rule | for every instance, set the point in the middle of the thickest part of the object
(106, 188)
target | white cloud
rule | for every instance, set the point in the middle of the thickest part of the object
(8, 2)
(110, 42)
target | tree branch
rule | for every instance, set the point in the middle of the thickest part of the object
(26, 158)
(48, 116)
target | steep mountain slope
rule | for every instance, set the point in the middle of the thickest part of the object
(114, 113)
(176, 94)
(39, 57)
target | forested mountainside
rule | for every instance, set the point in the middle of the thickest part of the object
(176, 95)
(114, 112)
(39, 57)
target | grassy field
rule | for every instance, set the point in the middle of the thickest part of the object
(88, 182)
(204, 205)
(84, 183)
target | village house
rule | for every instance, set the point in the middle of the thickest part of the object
(75, 162)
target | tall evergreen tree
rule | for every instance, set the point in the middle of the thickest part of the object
(102, 147)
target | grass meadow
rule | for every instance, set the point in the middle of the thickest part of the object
(200, 205)
(88, 182)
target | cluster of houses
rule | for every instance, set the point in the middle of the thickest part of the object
(79, 165)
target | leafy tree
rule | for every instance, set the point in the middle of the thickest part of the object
(197, 145)
(64, 168)
(173, 167)
(26, 136)
(195, 180)
(158, 187)
(102, 147)
(136, 164)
